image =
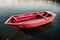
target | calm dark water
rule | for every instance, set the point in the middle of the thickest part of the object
(49, 31)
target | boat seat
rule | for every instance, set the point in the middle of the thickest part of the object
(23, 18)
(45, 13)
(37, 15)
(49, 15)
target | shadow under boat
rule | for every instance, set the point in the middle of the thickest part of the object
(26, 33)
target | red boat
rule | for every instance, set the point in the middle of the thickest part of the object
(30, 20)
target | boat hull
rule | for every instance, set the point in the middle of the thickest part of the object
(32, 25)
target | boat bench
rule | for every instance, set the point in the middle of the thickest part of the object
(24, 18)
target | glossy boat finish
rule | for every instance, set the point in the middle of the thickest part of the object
(30, 20)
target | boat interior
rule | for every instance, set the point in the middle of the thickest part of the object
(28, 17)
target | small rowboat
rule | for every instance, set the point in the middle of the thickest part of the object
(30, 20)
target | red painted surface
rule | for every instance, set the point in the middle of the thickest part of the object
(30, 20)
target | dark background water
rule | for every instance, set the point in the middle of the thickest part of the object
(49, 31)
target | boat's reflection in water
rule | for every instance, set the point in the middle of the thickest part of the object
(27, 33)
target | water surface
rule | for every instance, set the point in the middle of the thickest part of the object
(8, 8)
